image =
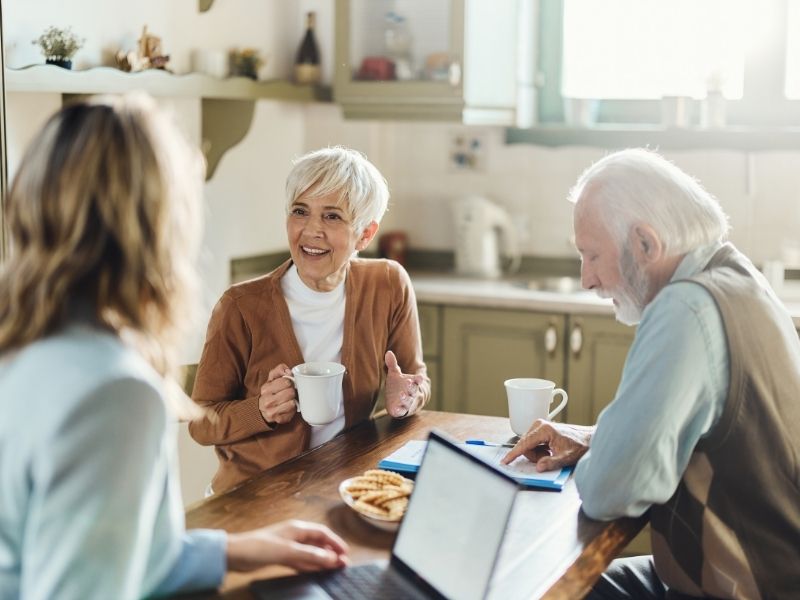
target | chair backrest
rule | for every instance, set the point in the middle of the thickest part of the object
(197, 463)
(189, 372)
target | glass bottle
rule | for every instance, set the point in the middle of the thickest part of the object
(397, 39)
(306, 65)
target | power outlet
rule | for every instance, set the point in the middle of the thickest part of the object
(467, 152)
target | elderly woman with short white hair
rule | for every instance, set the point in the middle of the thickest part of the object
(323, 304)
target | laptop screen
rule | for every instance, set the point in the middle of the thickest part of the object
(454, 526)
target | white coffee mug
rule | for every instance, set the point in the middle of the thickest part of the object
(319, 390)
(529, 399)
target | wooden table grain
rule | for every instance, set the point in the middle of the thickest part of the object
(552, 550)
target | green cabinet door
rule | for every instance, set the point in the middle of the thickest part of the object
(484, 347)
(429, 322)
(430, 326)
(435, 403)
(596, 350)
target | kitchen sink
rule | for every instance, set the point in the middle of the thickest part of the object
(561, 285)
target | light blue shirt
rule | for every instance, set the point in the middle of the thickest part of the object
(673, 389)
(90, 503)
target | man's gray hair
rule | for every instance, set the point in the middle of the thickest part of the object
(640, 186)
(360, 187)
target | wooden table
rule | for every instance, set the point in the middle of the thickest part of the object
(551, 549)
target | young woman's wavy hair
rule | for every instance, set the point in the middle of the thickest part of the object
(105, 211)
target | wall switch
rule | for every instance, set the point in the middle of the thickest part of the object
(467, 152)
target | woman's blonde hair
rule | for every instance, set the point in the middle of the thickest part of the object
(105, 211)
(346, 173)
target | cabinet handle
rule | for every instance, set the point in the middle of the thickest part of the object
(576, 340)
(551, 340)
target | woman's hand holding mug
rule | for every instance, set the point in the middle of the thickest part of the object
(278, 396)
(402, 391)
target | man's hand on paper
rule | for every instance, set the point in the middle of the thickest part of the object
(567, 443)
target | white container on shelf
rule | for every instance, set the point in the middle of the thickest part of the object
(712, 111)
(675, 111)
(210, 62)
(398, 42)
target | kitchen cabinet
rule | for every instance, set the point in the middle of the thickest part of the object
(484, 347)
(479, 348)
(429, 324)
(596, 350)
(445, 60)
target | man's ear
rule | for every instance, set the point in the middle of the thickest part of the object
(367, 235)
(647, 243)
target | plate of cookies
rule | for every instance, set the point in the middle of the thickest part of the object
(377, 496)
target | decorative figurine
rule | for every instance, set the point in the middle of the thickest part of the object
(147, 56)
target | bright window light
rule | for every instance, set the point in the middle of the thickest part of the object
(648, 49)
(793, 50)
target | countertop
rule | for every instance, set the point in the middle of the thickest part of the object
(504, 293)
(444, 288)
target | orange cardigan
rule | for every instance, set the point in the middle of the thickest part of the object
(250, 333)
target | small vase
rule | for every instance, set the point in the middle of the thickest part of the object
(65, 64)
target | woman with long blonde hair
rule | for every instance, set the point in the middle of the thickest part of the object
(104, 222)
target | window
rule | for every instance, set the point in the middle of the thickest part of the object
(793, 50)
(652, 48)
(625, 56)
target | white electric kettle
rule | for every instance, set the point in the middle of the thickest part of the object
(484, 232)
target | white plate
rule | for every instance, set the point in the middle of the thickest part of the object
(379, 522)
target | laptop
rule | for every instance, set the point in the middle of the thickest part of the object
(447, 545)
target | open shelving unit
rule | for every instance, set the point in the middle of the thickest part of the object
(108, 80)
(228, 104)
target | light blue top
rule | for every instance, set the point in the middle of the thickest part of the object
(90, 503)
(673, 390)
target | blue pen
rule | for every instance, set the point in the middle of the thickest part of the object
(485, 443)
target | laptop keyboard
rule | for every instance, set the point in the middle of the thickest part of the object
(370, 582)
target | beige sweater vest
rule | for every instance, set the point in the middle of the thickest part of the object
(732, 528)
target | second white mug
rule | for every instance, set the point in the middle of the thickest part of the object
(319, 390)
(529, 399)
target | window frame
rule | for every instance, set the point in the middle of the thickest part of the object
(3, 148)
(764, 81)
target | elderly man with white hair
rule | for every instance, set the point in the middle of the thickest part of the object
(704, 430)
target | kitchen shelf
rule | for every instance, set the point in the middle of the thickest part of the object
(228, 105)
(613, 136)
(108, 80)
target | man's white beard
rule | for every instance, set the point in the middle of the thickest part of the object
(631, 295)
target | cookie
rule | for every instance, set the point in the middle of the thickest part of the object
(380, 494)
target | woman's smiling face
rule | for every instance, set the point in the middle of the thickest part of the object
(323, 239)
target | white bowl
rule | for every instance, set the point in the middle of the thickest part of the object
(380, 522)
